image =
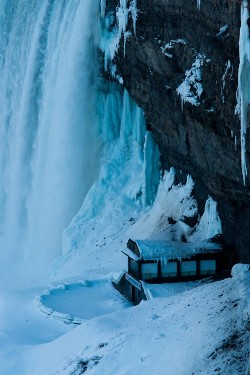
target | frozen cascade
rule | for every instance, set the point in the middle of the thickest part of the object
(49, 130)
(244, 82)
(122, 170)
(119, 192)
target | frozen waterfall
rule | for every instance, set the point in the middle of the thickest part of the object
(73, 147)
(49, 129)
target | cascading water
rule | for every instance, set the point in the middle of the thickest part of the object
(63, 129)
(48, 126)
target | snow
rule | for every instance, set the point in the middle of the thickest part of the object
(244, 82)
(166, 49)
(210, 223)
(165, 251)
(191, 89)
(198, 329)
(173, 201)
(176, 202)
(168, 289)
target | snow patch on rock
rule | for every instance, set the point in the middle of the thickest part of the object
(191, 89)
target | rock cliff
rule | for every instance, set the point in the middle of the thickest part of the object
(181, 67)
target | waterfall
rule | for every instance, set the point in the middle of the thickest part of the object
(48, 126)
(72, 146)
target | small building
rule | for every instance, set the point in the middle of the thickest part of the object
(157, 261)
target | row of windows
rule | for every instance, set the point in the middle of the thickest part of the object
(169, 269)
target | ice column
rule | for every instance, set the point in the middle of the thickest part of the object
(244, 81)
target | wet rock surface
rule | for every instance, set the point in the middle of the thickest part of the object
(199, 135)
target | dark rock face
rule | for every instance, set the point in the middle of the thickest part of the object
(204, 139)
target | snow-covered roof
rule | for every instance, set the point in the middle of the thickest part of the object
(164, 251)
(131, 254)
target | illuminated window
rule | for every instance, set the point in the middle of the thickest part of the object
(207, 267)
(188, 268)
(169, 269)
(149, 271)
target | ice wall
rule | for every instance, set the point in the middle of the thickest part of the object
(119, 190)
(49, 132)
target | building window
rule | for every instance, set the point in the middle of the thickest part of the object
(169, 269)
(134, 267)
(208, 267)
(149, 271)
(188, 268)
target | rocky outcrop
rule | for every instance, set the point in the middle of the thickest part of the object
(181, 67)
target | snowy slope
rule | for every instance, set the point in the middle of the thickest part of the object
(200, 331)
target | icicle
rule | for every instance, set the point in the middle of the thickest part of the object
(199, 4)
(151, 170)
(126, 35)
(103, 8)
(133, 11)
(111, 36)
(122, 17)
(244, 81)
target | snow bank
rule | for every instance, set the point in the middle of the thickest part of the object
(198, 331)
(240, 271)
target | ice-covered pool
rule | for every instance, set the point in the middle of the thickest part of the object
(81, 301)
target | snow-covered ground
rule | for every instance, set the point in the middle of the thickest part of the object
(204, 330)
(58, 136)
